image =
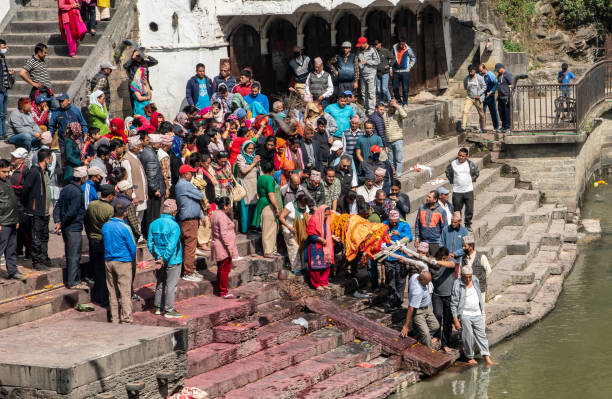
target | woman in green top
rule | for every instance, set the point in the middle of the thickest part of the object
(98, 112)
(268, 208)
(73, 153)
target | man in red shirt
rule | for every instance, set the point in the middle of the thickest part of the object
(244, 84)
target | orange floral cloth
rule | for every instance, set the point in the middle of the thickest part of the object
(359, 235)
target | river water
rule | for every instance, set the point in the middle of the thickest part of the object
(566, 355)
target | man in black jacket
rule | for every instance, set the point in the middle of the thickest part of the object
(310, 150)
(6, 82)
(402, 201)
(19, 170)
(36, 200)
(69, 215)
(155, 181)
(9, 222)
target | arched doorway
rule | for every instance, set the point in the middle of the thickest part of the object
(245, 50)
(348, 28)
(435, 66)
(379, 28)
(282, 37)
(317, 38)
(406, 26)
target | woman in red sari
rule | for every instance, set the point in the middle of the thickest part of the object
(71, 24)
(319, 252)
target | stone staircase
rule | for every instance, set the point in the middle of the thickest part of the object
(345, 346)
(37, 22)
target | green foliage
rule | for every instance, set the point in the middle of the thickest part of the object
(512, 47)
(517, 13)
(580, 12)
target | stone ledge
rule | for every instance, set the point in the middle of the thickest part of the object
(545, 139)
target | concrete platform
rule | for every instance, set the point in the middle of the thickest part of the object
(79, 359)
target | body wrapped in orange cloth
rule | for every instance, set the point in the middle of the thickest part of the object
(359, 235)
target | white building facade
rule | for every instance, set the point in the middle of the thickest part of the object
(262, 33)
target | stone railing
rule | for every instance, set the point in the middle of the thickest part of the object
(111, 40)
(7, 12)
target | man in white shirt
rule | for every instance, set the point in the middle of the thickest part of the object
(368, 190)
(443, 203)
(319, 84)
(462, 173)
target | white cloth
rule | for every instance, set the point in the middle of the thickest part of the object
(472, 304)
(462, 180)
(469, 260)
(291, 216)
(93, 99)
(161, 154)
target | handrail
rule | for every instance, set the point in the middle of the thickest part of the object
(538, 107)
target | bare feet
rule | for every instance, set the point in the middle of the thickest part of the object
(472, 362)
(327, 287)
(447, 349)
(320, 288)
(489, 361)
(435, 340)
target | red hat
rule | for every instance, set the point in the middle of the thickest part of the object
(361, 41)
(186, 168)
(375, 148)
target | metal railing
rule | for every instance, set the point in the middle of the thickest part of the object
(554, 107)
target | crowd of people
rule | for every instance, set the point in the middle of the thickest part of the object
(234, 160)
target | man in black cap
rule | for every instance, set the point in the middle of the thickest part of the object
(244, 83)
(99, 212)
(504, 80)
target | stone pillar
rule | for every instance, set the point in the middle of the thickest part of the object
(333, 37)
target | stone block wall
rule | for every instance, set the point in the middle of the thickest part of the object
(427, 119)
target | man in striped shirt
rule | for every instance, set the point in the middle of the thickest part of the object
(35, 70)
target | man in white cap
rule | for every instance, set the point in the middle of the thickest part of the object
(69, 215)
(478, 262)
(100, 81)
(137, 175)
(92, 184)
(19, 170)
(155, 181)
(346, 69)
(314, 188)
(467, 307)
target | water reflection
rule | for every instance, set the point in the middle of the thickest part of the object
(566, 355)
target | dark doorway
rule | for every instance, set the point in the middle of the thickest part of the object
(379, 27)
(435, 66)
(245, 50)
(282, 37)
(406, 26)
(317, 38)
(348, 28)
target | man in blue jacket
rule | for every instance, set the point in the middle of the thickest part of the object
(165, 245)
(119, 253)
(64, 115)
(395, 271)
(403, 61)
(199, 88)
(69, 215)
(489, 101)
(188, 201)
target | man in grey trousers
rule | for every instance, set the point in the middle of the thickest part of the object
(368, 63)
(421, 310)
(467, 304)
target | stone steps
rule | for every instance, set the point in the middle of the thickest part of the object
(349, 381)
(293, 381)
(385, 387)
(237, 374)
(38, 27)
(25, 51)
(35, 281)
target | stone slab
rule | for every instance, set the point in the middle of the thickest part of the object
(66, 355)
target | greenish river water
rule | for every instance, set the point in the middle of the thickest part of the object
(566, 355)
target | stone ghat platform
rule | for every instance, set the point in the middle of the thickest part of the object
(78, 359)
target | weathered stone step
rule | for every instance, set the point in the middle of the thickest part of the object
(348, 382)
(496, 311)
(202, 313)
(35, 281)
(214, 355)
(219, 381)
(25, 50)
(383, 388)
(527, 206)
(284, 384)
(36, 14)
(50, 39)
(499, 280)
(511, 263)
(428, 150)
(41, 27)
(507, 233)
